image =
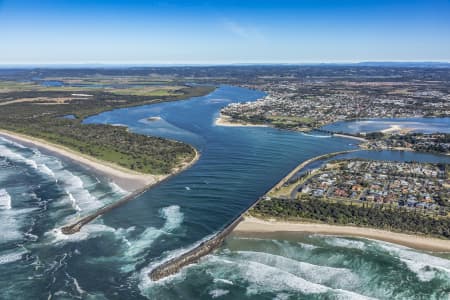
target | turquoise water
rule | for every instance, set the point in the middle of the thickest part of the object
(421, 125)
(110, 258)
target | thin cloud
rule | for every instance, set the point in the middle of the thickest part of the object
(242, 31)
(236, 29)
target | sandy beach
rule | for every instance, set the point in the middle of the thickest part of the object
(226, 121)
(254, 225)
(393, 128)
(350, 137)
(126, 179)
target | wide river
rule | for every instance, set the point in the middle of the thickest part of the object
(110, 258)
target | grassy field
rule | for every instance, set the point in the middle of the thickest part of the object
(156, 91)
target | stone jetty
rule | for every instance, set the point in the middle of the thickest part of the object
(174, 265)
(76, 226)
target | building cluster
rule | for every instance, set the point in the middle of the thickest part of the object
(437, 142)
(412, 185)
(319, 102)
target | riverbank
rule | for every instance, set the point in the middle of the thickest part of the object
(252, 225)
(124, 178)
(227, 121)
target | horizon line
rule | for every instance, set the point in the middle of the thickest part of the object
(187, 64)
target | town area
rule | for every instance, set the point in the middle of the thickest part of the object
(314, 102)
(413, 185)
(435, 143)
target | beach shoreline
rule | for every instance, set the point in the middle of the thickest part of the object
(251, 226)
(361, 139)
(226, 121)
(124, 178)
(396, 129)
(135, 183)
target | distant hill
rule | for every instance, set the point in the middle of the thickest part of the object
(405, 64)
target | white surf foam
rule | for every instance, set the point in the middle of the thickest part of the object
(225, 281)
(88, 231)
(10, 257)
(263, 278)
(2, 139)
(77, 286)
(146, 285)
(307, 246)
(317, 136)
(14, 156)
(338, 277)
(5, 199)
(282, 296)
(116, 189)
(77, 194)
(345, 243)
(32, 161)
(425, 266)
(136, 247)
(218, 293)
(11, 221)
(174, 217)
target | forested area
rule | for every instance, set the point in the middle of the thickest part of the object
(41, 116)
(383, 217)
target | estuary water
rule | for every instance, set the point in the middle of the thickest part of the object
(419, 125)
(110, 258)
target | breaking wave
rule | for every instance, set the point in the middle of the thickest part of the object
(77, 194)
(425, 266)
(218, 293)
(137, 246)
(345, 243)
(314, 273)
(88, 231)
(262, 278)
(14, 156)
(10, 257)
(11, 221)
(5, 199)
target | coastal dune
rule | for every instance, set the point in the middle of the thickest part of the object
(123, 177)
(134, 182)
(252, 225)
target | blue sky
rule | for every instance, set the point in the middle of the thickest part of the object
(217, 32)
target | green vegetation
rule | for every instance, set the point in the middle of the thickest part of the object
(281, 122)
(422, 142)
(41, 117)
(158, 92)
(386, 217)
(290, 122)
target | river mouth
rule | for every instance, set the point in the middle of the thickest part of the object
(111, 257)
